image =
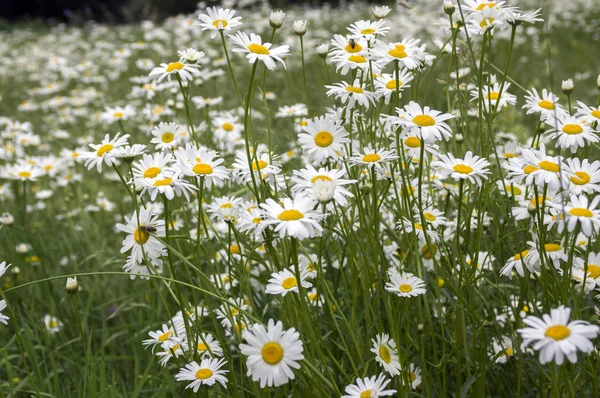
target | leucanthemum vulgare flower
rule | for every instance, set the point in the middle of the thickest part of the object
(164, 136)
(430, 123)
(587, 113)
(3, 318)
(406, 53)
(369, 29)
(169, 183)
(183, 70)
(114, 114)
(324, 185)
(355, 61)
(407, 227)
(553, 252)
(584, 176)
(283, 282)
(369, 387)
(263, 166)
(174, 347)
(404, 284)
(208, 347)
(207, 372)
(386, 353)
(502, 349)
(129, 152)
(104, 152)
(160, 336)
(3, 266)
(323, 138)
(272, 353)
(143, 235)
(486, 20)
(350, 94)
(372, 157)
(518, 262)
(158, 165)
(556, 338)
(22, 171)
(230, 314)
(491, 98)
(581, 211)
(346, 46)
(218, 19)
(257, 51)
(541, 168)
(546, 104)
(202, 163)
(386, 84)
(141, 268)
(52, 324)
(570, 132)
(225, 208)
(472, 168)
(296, 218)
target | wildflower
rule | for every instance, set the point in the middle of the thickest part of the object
(272, 353)
(323, 138)
(470, 168)
(556, 338)
(256, 50)
(571, 132)
(546, 104)
(184, 71)
(285, 281)
(580, 211)
(300, 27)
(369, 29)
(372, 157)
(145, 234)
(104, 152)
(567, 86)
(207, 372)
(404, 284)
(323, 184)
(381, 12)
(386, 353)
(165, 136)
(369, 387)
(72, 286)
(352, 94)
(296, 218)
(53, 325)
(430, 123)
(218, 20)
(276, 19)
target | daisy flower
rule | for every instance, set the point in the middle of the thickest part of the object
(546, 104)
(201, 163)
(406, 53)
(386, 353)
(272, 353)
(323, 138)
(157, 165)
(3, 267)
(369, 29)
(208, 346)
(285, 281)
(256, 50)
(430, 123)
(53, 325)
(580, 211)
(182, 70)
(104, 152)
(347, 46)
(587, 113)
(541, 168)
(208, 372)
(225, 208)
(486, 19)
(404, 284)
(407, 227)
(371, 157)
(570, 132)
(217, 20)
(583, 175)
(23, 171)
(114, 114)
(554, 252)
(352, 94)
(502, 349)
(296, 218)
(164, 136)
(516, 263)
(324, 185)
(160, 336)
(491, 97)
(369, 387)
(556, 338)
(3, 318)
(145, 234)
(386, 84)
(168, 183)
(174, 347)
(356, 61)
(261, 165)
(472, 168)
(129, 152)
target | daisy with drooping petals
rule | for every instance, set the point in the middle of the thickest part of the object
(369, 29)
(218, 20)
(310, 180)
(546, 104)
(143, 234)
(517, 262)
(201, 163)
(430, 123)
(580, 211)
(369, 387)
(386, 84)
(386, 353)
(492, 99)
(472, 168)
(152, 166)
(285, 281)
(587, 113)
(404, 284)
(103, 152)
(323, 138)
(180, 69)
(570, 132)
(256, 50)
(556, 338)
(160, 336)
(371, 157)
(405, 52)
(542, 169)
(296, 218)
(208, 372)
(350, 94)
(208, 346)
(272, 353)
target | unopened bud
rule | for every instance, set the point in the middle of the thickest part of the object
(449, 7)
(381, 12)
(300, 27)
(7, 219)
(323, 49)
(598, 82)
(420, 327)
(276, 19)
(568, 86)
(72, 286)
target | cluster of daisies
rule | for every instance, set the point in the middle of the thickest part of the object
(205, 189)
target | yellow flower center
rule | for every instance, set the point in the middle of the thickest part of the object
(256, 220)
(290, 215)
(514, 190)
(558, 332)
(151, 172)
(549, 166)
(272, 353)
(24, 174)
(510, 155)
(384, 353)
(552, 247)
(227, 126)
(261, 165)
(580, 178)
(485, 23)
(164, 182)
(53, 324)
(323, 139)
(165, 336)
(365, 394)
(289, 283)
(202, 168)
(398, 51)
(105, 149)
(581, 212)
(423, 120)
(220, 23)
(141, 237)
(321, 178)
(509, 352)
(354, 89)
(204, 374)
(234, 249)
(167, 137)
(492, 96)
(413, 142)
(226, 206)
(201, 347)
(572, 129)
(371, 158)
(546, 105)
(463, 168)
(428, 253)
(537, 200)
(529, 169)
(258, 49)
(358, 59)
(429, 216)
(174, 66)
(391, 85)
(593, 271)
(357, 48)
(118, 114)
(484, 5)
(405, 288)
(596, 113)
(521, 255)
(367, 31)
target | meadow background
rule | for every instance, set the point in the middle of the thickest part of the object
(65, 230)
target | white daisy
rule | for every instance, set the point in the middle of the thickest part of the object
(404, 284)
(296, 218)
(207, 372)
(256, 50)
(285, 281)
(217, 20)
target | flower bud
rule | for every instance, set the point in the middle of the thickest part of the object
(72, 286)
(567, 86)
(276, 19)
(598, 82)
(381, 12)
(449, 7)
(323, 49)
(7, 219)
(300, 27)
